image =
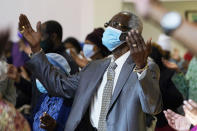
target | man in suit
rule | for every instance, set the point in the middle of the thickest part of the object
(111, 94)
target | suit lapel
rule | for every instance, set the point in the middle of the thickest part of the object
(98, 74)
(94, 80)
(125, 72)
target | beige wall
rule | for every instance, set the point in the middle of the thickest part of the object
(76, 16)
(105, 9)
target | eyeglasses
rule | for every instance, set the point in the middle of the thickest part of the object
(117, 24)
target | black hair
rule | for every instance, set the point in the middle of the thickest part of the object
(54, 27)
(96, 38)
(74, 42)
(157, 54)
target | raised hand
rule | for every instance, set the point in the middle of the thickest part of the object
(190, 108)
(47, 122)
(138, 48)
(176, 121)
(33, 37)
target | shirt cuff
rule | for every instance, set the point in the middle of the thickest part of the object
(142, 74)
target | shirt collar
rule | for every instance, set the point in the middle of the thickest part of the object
(121, 60)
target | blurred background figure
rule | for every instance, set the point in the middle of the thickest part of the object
(191, 76)
(10, 118)
(171, 97)
(171, 22)
(93, 48)
(165, 42)
(51, 113)
(7, 89)
(183, 122)
(73, 44)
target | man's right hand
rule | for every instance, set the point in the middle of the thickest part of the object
(33, 37)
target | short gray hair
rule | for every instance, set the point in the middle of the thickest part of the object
(135, 22)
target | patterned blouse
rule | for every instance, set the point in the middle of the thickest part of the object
(191, 76)
(11, 119)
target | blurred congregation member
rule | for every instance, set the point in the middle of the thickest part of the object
(169, 58)
(191, 76)
(183, 81)
(186, 122)
(171, 97)
(7, 89)
(10, 118)
(51, 113)
(165, 42)
(20, 74)
(73, 44)
(93, 49)
(171, 22)
(111, 94)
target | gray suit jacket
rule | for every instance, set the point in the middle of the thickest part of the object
(132, 97)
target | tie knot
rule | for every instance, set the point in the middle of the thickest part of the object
(113, 65)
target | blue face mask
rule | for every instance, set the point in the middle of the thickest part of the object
(111, 38)
(40, 87)
(88, 50)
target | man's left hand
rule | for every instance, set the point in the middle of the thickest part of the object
(138, 48)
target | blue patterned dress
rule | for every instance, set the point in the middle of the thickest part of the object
(56, 107)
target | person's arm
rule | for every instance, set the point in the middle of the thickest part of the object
(55, 82)
(148, 73)
(186, 33)
(82, 62)
(149, 91)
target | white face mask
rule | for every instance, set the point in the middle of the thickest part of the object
(71, 49)
(88, 50)
(3, 70)
(68, 51)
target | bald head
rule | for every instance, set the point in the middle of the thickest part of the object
(125, 21)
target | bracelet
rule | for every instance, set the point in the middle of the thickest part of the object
(140, 70)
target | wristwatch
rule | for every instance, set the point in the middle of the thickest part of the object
(170, 22)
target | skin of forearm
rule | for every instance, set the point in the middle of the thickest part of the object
(156, 12)
(187, 35)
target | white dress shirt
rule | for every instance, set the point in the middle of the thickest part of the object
(96, 101)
